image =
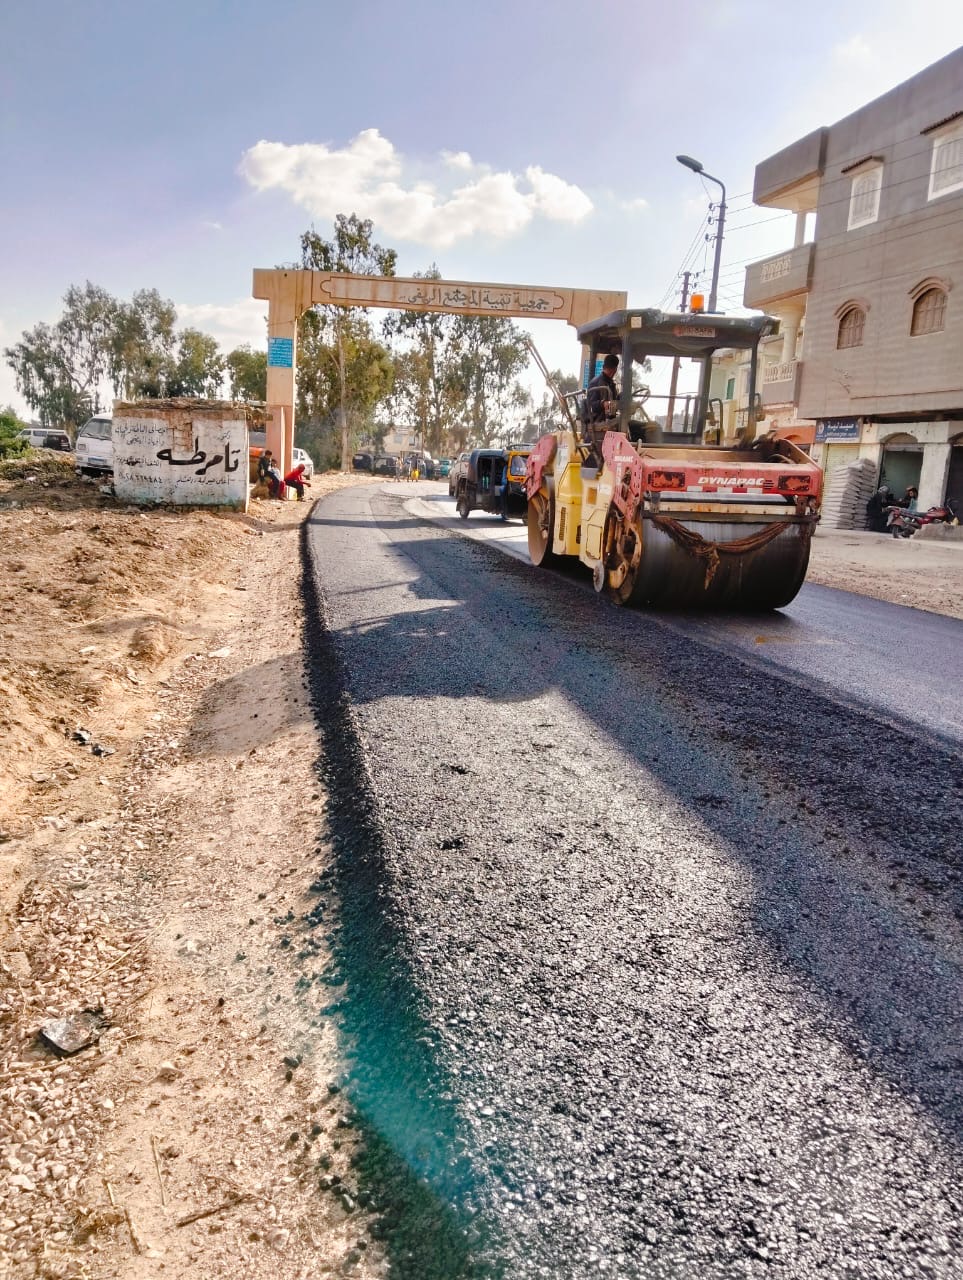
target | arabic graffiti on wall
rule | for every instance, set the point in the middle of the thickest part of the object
(190, 460)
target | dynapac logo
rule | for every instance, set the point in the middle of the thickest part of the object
(742, 481)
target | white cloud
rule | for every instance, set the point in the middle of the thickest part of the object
(457, 159)
(634, 206)
(230, 323)
(367, 177)
(855, 52)
(556, 198)
(211, 225)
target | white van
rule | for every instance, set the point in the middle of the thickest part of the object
(94, 448)
(45, 438)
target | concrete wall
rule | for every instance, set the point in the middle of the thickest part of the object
(879, 265)
(190, 457)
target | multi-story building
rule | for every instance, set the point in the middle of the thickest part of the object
(879, 288)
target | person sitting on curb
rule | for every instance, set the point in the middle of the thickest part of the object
(296, 480)
(264, 465)
(269, 473)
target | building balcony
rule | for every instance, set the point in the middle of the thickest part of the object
(785, 275)
(790, 178)
(780, 382)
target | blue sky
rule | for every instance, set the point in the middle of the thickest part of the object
(178, 145)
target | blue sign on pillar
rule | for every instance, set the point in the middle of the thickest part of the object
(599, 360)
(280, 353)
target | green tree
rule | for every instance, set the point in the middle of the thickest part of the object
(198, 367)
(425, 396)
(339, 362)
(547, 414)
(247, 373)
(10, 424)
(60, 368)
(486, 356)
(142, 345)
(340, 383)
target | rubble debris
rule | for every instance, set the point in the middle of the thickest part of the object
(67, 1036)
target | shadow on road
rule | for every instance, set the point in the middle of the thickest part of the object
(821, 811)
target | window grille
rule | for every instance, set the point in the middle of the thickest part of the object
(850, 332)
(864, 197)
(929, 312)
(946, 169)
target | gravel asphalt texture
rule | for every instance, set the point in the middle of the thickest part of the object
(648, 956)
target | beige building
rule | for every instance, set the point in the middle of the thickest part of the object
(871, 308)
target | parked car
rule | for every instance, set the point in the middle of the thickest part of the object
(444, 468)
(45, 438)
(385, 464)
(94, 450)
(494, 480)
(458, 469)
(362, 462)
(301, 457)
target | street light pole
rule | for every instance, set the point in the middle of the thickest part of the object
(696, 167)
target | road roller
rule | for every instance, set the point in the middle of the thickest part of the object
(664, 517)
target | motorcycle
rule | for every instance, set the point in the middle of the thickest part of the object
(904, 523)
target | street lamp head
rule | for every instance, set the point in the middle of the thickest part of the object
(694, 165)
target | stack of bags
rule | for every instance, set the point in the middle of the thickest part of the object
(847, 491)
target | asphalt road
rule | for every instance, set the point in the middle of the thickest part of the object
(649, 943)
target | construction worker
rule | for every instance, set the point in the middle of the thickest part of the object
(601, 404)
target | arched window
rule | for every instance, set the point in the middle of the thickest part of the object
(850, 332)
(929, 312)
(864, 196)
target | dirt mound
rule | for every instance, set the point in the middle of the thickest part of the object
(92, 594)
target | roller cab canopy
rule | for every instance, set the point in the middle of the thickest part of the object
(652, 332)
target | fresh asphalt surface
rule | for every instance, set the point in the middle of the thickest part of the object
(649, 936)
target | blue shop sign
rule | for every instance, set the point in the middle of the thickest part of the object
(599, 361)
(280, 353)
(830, 430)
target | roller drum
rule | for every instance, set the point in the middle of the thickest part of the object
(767, 577)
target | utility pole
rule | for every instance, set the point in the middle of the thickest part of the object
(696, 167)
(686, 277)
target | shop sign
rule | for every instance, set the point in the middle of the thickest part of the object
(831, 430)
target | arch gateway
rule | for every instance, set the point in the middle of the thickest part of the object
(289, 293)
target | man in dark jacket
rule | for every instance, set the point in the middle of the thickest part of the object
(269, 473)
(601, 403)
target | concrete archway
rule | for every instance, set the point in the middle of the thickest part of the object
(289, 293)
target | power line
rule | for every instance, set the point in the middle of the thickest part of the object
(689, 254)
(741, 226)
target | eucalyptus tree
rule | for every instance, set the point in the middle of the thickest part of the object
(342, 368)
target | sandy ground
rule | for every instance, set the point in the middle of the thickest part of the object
(166, 885)
(919, 572)
(159, 864)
